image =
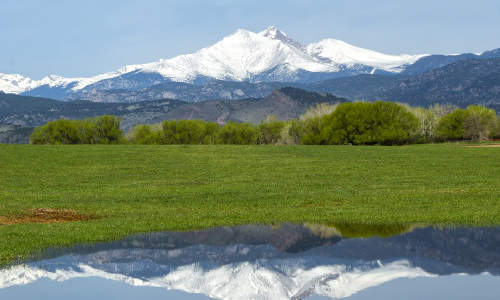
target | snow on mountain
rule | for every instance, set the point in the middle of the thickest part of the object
(239, 57)
(269, 55)
(339, 52)
(15, 83)
(264, 279)
(84, 82)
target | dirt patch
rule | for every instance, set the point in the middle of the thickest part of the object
(46, 215)
(485, 146)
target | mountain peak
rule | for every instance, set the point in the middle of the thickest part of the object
(240, 31)
(274, 33)
(340, 52)
(269, 55)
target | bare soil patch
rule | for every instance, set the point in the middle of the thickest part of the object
(45, 215)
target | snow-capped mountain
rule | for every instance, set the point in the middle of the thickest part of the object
(341, 53)
(269, 55)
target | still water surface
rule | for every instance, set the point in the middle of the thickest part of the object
(264, 262)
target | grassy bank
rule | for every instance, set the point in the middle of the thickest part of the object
(130, 189)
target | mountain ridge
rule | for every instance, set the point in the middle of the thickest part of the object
(242, 65)
(462, 83)
(269, 55)
(285, 103)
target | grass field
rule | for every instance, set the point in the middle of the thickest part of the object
(131, 189)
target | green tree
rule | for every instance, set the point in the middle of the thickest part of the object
(182, 132)
(480, 122)
(99, 130)
(362, 123)
(237, 134)
(451, 126)
(307, 129)
(270, 130)
(294, 131)
(496, 132)
(210, 133)
(145, 134)
(313, 132)
(189, 132)
(107, 130)
(56, 132)
(87, 130)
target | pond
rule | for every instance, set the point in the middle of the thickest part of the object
(270, 262)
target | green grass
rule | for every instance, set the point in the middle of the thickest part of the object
(133, 189)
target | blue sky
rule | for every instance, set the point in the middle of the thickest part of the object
(82, 38)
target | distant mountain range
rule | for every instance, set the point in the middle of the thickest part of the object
(269, 58)
(18, 112)
(465, 82)
(210, 90)
(267, 72)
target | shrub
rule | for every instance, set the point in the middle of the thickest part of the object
(294, 132)
(210, 133)
(480, 122)
(237, 133)
(451, 126)
(56, 132)
(106, 130)
(99, 130)
(270, 131)
(312, 132)
(362, 123)
(382, 123)
(307, 130)
(496, 132)
(145, 134)
(188, 132)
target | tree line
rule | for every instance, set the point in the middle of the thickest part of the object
(99, 130)
(358, 123)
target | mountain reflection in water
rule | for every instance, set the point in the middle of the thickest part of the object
(264, 262)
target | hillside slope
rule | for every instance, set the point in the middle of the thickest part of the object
(286, 103)
(472, 81)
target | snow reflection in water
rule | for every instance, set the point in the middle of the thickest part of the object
(263, 262)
